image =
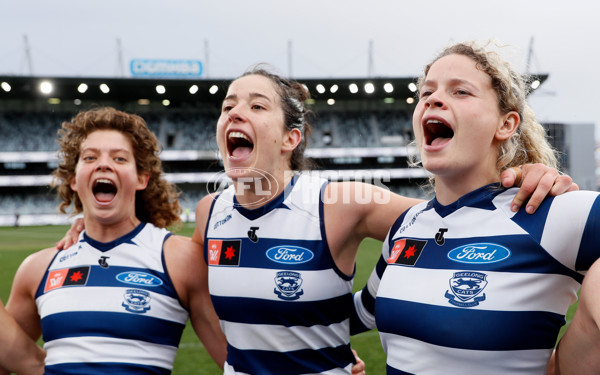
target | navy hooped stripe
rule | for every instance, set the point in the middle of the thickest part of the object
(306, 361)
(392, 371)
(109, 324)
(296, 313)
(253, 214)
(469, 329)
(102, 368)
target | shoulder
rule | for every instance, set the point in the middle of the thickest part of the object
(32, 269)
(202, 213)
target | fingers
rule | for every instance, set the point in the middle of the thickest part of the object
(563, 184)
(512, 177)
(71, 236)
(359, 367)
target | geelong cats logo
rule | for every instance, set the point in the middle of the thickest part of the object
(466, 287)
(287, 285)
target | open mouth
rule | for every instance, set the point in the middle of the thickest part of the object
(239, 144)
(436, 132)
(104, 190)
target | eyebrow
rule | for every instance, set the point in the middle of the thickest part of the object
(252, 95)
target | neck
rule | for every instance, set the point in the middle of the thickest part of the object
(257, 191)
(449, 189)
(105, 232)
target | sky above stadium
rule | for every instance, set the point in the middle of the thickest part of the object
(309, 39)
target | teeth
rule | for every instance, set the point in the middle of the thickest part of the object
(238, 135)
(104, 181)
(434, 122)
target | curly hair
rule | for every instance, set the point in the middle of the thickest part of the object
(158, 203)
(529, 143)
(293, 96)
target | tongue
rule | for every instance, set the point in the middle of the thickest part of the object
(104, 197)
(439, 141)
(241, 151)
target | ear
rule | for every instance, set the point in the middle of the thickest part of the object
(508, 127)
(291, 139)
(72, 183)
(143, 179)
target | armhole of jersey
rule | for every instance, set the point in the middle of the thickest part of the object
(394, 228)
(324, 236)
(167, 273)
(40, 289)
(205, 242)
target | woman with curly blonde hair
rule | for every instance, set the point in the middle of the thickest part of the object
(127, 282)
(464, 284)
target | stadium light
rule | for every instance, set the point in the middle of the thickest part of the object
(353, 87)
(82, 88)
(5, 86)
(410, 100)
(388, 87)
(166, 102)
(331, 101)
(320, 88)
(412, 87)
(77, 101)
(193, 89)
(143, 101)
(46, 87)
(535, 84)
(369, 88)
(104, 88)
(160, 89)
(213, 89)
(333, 89)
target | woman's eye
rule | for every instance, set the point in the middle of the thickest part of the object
(256, 106)
(424, 94)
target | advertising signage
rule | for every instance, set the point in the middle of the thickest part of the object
(166, 68)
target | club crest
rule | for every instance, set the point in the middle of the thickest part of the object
(287, 285)
(466, 287)
(136, 301)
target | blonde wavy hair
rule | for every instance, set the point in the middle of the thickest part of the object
(158, 203)
(529, 143)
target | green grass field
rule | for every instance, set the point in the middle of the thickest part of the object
(17, 243)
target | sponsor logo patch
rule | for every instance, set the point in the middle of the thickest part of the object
(139, 278)
(289, 254)
(406, 251)
(287, 285)
(466, 287)
(66, 277)
(136, 301)
(224, 252)
(479, 253)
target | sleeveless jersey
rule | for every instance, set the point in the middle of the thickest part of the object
(111, 308)
(473, 288)
(283, 304)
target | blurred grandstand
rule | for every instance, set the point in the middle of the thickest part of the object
(361, 126)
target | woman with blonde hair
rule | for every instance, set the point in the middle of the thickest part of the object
(464, 284)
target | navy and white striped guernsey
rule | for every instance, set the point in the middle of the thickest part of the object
(111, 308)
(473, 288)
(283, 304)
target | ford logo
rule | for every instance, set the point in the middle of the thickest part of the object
(479, 253)
(289, 254)
(138, 278)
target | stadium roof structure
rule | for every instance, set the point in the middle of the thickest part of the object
(189, 92)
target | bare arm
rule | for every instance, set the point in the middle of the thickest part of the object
(190, 276)
(579, 349)
(21, 306)
(19, 354)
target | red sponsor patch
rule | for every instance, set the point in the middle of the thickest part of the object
(406, 251)
(224, 252)
(66, 277)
